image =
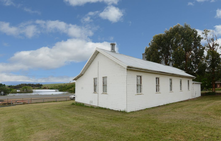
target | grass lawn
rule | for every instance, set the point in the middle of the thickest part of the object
(198, 119)
(53, 85)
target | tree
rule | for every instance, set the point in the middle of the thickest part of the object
(3, 89)
(180, 46)
(27, 89)
(213, 60)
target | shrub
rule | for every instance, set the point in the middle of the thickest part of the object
(26, 89)
(13, 91)
(4, 90)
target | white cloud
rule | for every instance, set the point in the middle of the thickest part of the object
(31, 11)
(112, 14)
(72, 50)
(190, 3)
(71, 30)
(7, 29)
(82, 2)
(87, 18)
(11, 3)
(7, 2)
(27, 30)
(218, 30)
(218, 13)
(31, 29)
(8, 77)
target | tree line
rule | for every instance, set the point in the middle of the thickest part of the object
(24, 88)
(181, 47)
(19, 86)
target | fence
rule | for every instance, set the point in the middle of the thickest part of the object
(8, 102)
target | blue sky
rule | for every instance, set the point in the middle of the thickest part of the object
(48, 41)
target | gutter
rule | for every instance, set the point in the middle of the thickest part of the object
(157, 72)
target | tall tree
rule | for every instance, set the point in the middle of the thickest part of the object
(180, 46)
(213, 60)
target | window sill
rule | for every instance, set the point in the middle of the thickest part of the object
(171, 91)
(158, 92)
(103, 93)
(139, 94)
(94, 92)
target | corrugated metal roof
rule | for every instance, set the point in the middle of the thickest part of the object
(146, 65)
(129, 62)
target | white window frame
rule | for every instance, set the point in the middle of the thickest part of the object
(95, 85)
(181, 84)
(139, 84)
(171, 84)
(104, 85)
(157, 84)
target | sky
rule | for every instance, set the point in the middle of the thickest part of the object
(45, 41)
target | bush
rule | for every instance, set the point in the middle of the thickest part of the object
(26, 89)
(4, 90)
(13, 91)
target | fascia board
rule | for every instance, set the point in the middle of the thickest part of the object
(90, 60)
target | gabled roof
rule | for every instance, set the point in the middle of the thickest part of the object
(132, 63)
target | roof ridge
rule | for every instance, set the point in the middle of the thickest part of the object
(141, 59)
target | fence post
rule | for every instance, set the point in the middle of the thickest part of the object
(11, 102)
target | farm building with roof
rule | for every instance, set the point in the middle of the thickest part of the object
(119, 82)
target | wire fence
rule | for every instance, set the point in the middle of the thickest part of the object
(12, 102)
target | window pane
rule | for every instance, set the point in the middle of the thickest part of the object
(105, 89)
(138, 89)
(180, 84)
(95, 84)
(139, 84)
(105, 80)
(170, 84)
(138, 80)
(188, 84)
(157, 84)
(104, 84)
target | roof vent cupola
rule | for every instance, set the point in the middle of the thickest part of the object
(113, 47)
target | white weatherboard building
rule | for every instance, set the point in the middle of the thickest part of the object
(119, 82)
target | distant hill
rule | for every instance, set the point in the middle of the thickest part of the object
(63, 87)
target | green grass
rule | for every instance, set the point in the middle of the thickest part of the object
(63, 87)
(53, 85)
(198, 119)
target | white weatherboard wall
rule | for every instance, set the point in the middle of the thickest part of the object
(196, 89)
(115, 98)
(149, 98)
